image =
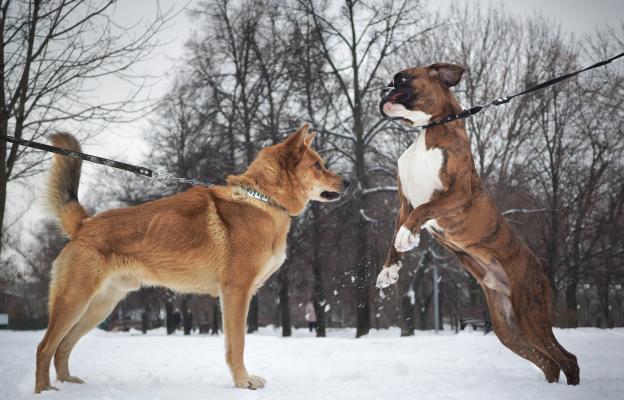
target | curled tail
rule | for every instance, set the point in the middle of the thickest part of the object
(62, 193)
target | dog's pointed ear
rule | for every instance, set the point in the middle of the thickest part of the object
(448, 74)
(309, 138)
(297, 139)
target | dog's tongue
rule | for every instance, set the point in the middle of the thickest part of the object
(394, 97)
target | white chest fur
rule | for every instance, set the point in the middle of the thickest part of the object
(419, 171)
(274, 262)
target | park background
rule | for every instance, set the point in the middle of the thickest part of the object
(196, 88)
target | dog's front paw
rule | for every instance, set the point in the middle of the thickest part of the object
(250, 382)
(70, 379)
(388, 275)
(43, 387)
(406, 240)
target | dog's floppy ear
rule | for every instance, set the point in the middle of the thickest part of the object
(297, 139)
(309, 138)
(448, 74)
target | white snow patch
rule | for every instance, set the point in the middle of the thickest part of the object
(381, 365)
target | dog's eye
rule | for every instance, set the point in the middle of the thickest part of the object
(317, 165)
(400, 79)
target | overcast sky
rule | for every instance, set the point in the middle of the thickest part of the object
(125, 142)
(579, 16)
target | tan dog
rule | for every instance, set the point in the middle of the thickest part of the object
(224, 241)
(439, 189)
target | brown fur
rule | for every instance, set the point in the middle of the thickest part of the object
(212, 240)
(476, 232)
(61, 196)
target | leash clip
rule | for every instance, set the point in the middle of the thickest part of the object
(501, 100)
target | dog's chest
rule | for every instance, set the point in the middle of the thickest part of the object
(419, 171)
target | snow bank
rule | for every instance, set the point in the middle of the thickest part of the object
(380, 366)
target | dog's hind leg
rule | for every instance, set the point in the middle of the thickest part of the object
(542, 337)
(535, 293)
(99, 308)
(504, 319)
(72, 287)
(536, 324)
(504, 324)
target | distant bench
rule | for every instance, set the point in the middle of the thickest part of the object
(124, 325)
(477, 318)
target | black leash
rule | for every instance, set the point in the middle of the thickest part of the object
(150, 173)
(502, 100)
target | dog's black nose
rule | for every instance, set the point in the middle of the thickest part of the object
(346, 183)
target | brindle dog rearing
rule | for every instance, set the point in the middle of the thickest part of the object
(439, 190)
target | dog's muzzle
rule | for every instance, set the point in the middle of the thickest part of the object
(331, 195)
(393, 94)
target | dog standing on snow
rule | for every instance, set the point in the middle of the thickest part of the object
(439, 190)
(223, 240)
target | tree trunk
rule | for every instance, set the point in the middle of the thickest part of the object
(440, 315)
(187, 318)
(475, 293)
(146, 315)
(3, 190)
(407, 316)
(169, 316)
(423, 312)
(284, 301)
(3, 183)
(362, 255)
(362, 288)
(318, 296)
(252, 317)
(571, 317)
(603, 295)
(216, 318)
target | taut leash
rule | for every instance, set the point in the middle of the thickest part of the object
(150, 173)
(505, 99)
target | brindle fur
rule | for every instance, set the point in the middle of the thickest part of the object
(205, 240)
(475, 231)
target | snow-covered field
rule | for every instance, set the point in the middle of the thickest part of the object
(380, 366)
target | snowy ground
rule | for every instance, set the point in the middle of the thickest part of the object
(380, 366)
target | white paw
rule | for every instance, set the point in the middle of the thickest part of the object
(388, 276)
(406, 240)
(250, 382)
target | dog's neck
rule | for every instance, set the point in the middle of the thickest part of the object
(449, 106)
(269, 188)
(256, 194)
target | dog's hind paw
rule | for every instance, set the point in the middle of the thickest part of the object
(406, 240)
(388, 275)
(250, 382)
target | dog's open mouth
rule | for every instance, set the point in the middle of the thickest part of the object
(396, 118)
(331, 196)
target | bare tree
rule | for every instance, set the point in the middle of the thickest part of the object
(51, 51)
(355, 54)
